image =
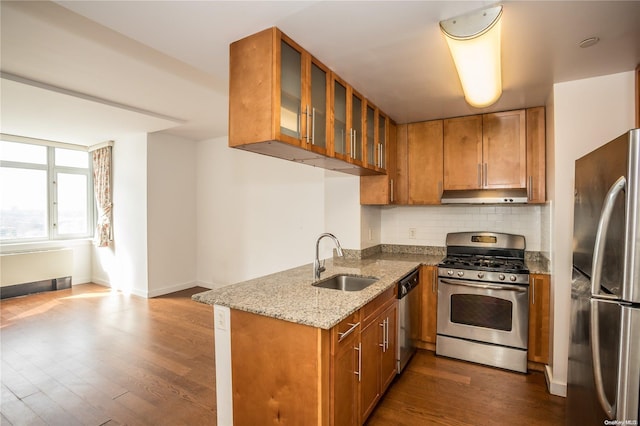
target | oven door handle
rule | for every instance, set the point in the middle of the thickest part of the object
(519, 289)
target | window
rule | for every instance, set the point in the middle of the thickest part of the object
(45, 192)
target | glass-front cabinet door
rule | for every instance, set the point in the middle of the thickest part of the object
(290, 90)
(317, 115)
(304, 97)
(340, 137)
(382, 141)
(357, 127)
(371, 137)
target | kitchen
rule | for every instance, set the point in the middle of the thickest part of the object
(253, 188)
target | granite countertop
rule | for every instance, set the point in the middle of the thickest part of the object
(289, 295)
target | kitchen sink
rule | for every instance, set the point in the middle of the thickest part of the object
(346, 282)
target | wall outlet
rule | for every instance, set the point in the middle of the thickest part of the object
(370, 235)
(221, 321)
(412, 233)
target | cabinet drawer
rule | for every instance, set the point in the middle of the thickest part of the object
(340, 333)
(371, 308)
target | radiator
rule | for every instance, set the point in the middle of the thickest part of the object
(29, 272)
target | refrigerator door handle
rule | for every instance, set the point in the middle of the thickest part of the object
(603, 225)
(594, 331)
(629, 366)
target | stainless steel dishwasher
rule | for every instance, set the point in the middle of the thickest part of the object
(408, 318)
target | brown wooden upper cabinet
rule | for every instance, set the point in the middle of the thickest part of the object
(536, 155)
(277, 92)
(462, 152)
(356, 128)
(285, 103)
(353, 123)
(425, 162)
(485, 151)
(384, 189)
(375, 138)
(498, 150)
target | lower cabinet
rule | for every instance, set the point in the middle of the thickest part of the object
(363, 361)
(429, 289)
(346, 349)
(539, 313)
(378, 340)
(312, 376)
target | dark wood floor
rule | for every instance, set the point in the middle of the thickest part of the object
(90, 356)
(441, 391)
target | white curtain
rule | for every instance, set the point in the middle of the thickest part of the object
(102, 191)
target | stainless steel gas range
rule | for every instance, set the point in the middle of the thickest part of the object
(483, 300)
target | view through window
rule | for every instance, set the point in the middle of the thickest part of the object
(45, 192)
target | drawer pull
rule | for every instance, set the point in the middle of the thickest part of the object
(342, 336)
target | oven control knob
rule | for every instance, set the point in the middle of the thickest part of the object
(480, 274)
(449, 272)
(501, 277)
(460, 273)
(513, 278)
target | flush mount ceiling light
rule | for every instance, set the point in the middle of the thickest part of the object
(474, 42)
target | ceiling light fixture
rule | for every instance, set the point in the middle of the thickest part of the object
(474, 42)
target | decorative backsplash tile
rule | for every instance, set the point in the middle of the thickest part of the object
(429, 225)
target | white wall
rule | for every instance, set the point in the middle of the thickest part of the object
(370, 226)
(432, 223)
(171, 213)
(123, 265)
(586, 114)
(342, 211)
(257, 215)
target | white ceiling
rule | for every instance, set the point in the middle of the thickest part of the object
(168, 60)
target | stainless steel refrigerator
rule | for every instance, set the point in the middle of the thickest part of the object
(604, 350)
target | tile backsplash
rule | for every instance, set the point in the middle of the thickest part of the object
(429, 225)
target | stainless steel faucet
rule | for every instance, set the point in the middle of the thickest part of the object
(317, 267)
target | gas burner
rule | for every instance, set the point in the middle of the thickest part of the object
(485, 256)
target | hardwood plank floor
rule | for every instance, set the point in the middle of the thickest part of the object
(92, 356)
(441, 391)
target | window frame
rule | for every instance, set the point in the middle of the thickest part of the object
(52, 172)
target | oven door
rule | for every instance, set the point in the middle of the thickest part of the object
(485, 312)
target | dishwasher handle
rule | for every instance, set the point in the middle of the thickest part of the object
(408, 283)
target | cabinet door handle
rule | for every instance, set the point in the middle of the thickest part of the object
(351, 143)
(306, 112)
(344, 335)
(485, 174)
(387, 334)
(530, 188)
(299, 130)
(359, 372)
(533, 293)
(355, 143)
(392, 190)
(313, 126)
(479, 175)
(384, 329)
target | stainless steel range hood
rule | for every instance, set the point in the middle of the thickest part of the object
(485, 196)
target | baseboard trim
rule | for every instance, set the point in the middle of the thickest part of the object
(171, 289)
(554, 387)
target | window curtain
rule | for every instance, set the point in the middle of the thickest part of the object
(102, 191)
